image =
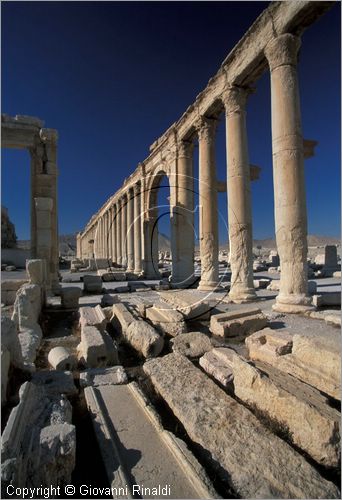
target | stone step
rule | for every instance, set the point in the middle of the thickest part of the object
(137, 451)
(256, 463)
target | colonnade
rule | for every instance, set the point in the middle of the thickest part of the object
(123, 230)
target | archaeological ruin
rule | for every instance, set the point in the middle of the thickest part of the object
(136, 371)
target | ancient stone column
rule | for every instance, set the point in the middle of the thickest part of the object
(105, 239)
(183, 241)
(288, 174)
(208, 226)
(44, 242)
(118, 233)
(113, 233)
(124, 230)
(109, 235)
(130, 230)
(239, 196)
(137, 229)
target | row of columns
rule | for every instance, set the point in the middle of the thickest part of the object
(122, 224)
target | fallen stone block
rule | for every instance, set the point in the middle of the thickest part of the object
(228, 431)
(144, 338)
(27, 306)
(122, 317)
(217, 367)
(55, 382)
(92, 284)
(30, 339)
(191, 305)
(61, 359)
(96, 348)
(10, 341)
(191, 345)
(314, 360)
(70, 296)
(108, 300)
(274, 286)
(122, 289)
(93, 316)
(311, 423)
(333, 319)
(237, 323)
(166, 321)
(261, 283)
(103, 376)
(9, 289)
(327, 299)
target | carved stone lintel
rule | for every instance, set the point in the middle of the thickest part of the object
(185, 149)
(48, 135)
(235, 98)
(282, 51)
(206, 128)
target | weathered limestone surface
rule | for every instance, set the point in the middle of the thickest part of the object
(256, 463)
(55, 382)
(96, 348)
(27, 306)
(10, 341)
(166, 321)
(122, 317)
(30, 339)
(316, 361)
(103, 376)
(93, 316)
(61, 359)
(92, 284)
(123, 418)
(144, 338)
(312, 424)
(237, 323)
(9, 290)
(327, 299)
(38, 442)
(191, 345)
(217, 367)
(192, 306)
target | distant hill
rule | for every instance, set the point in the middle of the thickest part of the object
(67, 243)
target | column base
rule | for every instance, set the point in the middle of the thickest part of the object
(293, 304)
(208, 286)
(180, 282)
(243, 296)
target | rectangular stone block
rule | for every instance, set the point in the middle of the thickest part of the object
(122, 317)
(96, 348)
(327, 299)
(92, 284)
(215, 366)
(237, 323)
(254, 461)
(167, 321)
(300, 409)
(314, 360)
(95, 377)
(92, 316)
(190, 304)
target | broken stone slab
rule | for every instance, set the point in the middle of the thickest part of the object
(227, 431)
(215, 366)
(61, 359)
(311, 423)
(103, 376)
(70, 296)
(316, 361)
(191, 345)
(96, 348)
(238, 323)
(55, 382)
(165, 320)
(10, 341)
(92, 284)
(122, 317)
(327, 299)
(32, 453)
(190, 304)
(93, 316)
(27, 306)
(144, 338)
(122, 419)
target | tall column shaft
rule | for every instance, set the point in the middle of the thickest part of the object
(288, 174)
(124, 231)
(137, 230)
(110, 251)
(239, 197)
(208, 204)
(113, 234)
(183, 241)
(130, 231)
(105, 217)
(118, 233)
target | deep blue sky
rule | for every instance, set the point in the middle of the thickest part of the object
(112, 76)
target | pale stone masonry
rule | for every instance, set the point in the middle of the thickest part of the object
(271, 44)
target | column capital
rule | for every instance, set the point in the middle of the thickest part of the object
(282, 51)
(48, 135)
(235, 98)
(206, 128)
(137, 188)
(185, 149)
